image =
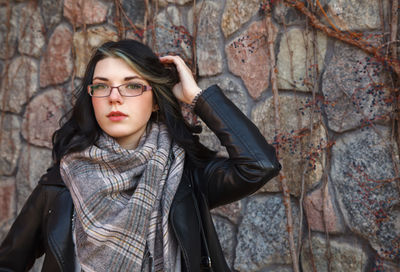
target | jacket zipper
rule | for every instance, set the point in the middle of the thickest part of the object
(51, 244)
(184, 253)
(205, 261)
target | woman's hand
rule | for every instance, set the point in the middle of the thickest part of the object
(187, 88)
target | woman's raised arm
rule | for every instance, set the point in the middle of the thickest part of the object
(252, 161)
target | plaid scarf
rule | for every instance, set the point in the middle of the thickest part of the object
(122, 200)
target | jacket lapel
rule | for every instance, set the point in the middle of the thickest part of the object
(60, 231)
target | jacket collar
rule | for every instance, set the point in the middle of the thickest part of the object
(52, 177)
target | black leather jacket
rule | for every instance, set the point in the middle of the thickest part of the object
(44, 224)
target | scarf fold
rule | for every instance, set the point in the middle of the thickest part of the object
(122, 200)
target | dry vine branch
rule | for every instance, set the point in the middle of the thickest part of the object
(324, 193)
(120, 10)
(7, 53)
(393, 26)
(117, 20)
(345, 37)
(282, 178)
(393, 48)
(145, 21)
(194, 52)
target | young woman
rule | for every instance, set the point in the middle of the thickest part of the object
(131, 187)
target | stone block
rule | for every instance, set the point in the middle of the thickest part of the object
(31, 36)
(355, 89)
(135, 10)
(248, 57)
(19, 84)
(51, 12)
(287, 15)
(277, 268)
(7, 199)
(237, 13)
(85, 12)
(86, 42)
(33, 164)
(209, 42)
(363, 176)
(179, 2)
(42, 118)
(321, 212)
(296, 59)
(384, 265)
(353, 15)
(171, 34)
(231, 212)
(10, 143)
(302, 151)
(227, 237)
(345, 257)
(262, 236)
(8, 31)
(56, 64)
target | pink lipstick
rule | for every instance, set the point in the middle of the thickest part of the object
(116, 116)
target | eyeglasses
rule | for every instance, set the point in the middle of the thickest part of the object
(127, 89)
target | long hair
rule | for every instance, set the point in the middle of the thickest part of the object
(81, 129)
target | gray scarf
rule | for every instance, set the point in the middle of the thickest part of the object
(122, 200)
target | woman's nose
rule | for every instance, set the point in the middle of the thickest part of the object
(115, 96)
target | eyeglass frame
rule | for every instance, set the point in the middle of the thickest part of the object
(144, 88)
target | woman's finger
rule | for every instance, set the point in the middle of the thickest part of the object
(178, 61)
(187, 88)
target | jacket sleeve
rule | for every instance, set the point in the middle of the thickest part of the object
(23, 243)
(252, 161)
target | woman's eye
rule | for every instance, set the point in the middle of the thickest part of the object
(97, 87)
(134, 86)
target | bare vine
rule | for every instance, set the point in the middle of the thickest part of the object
(350, 38)
(282, 178)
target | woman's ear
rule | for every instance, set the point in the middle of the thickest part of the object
(155, 107)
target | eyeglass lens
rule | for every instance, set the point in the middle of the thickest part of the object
(128, 89)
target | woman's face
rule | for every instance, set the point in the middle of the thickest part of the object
(123, 118)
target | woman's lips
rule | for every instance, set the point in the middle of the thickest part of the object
(116, 116)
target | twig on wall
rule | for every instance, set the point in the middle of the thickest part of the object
(120, 9)
(5, 72)
(393, 28)
(302, 151)
(328, 253)
(154, 26)
(282, 178)
(194, 36)
(145, 22)
(345, 37)
(393, 43)
(117, 21)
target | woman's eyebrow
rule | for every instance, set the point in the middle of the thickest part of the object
(125, 79)
(132, 77)
(100, 78)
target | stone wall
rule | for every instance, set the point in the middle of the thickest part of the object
(335, 140)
